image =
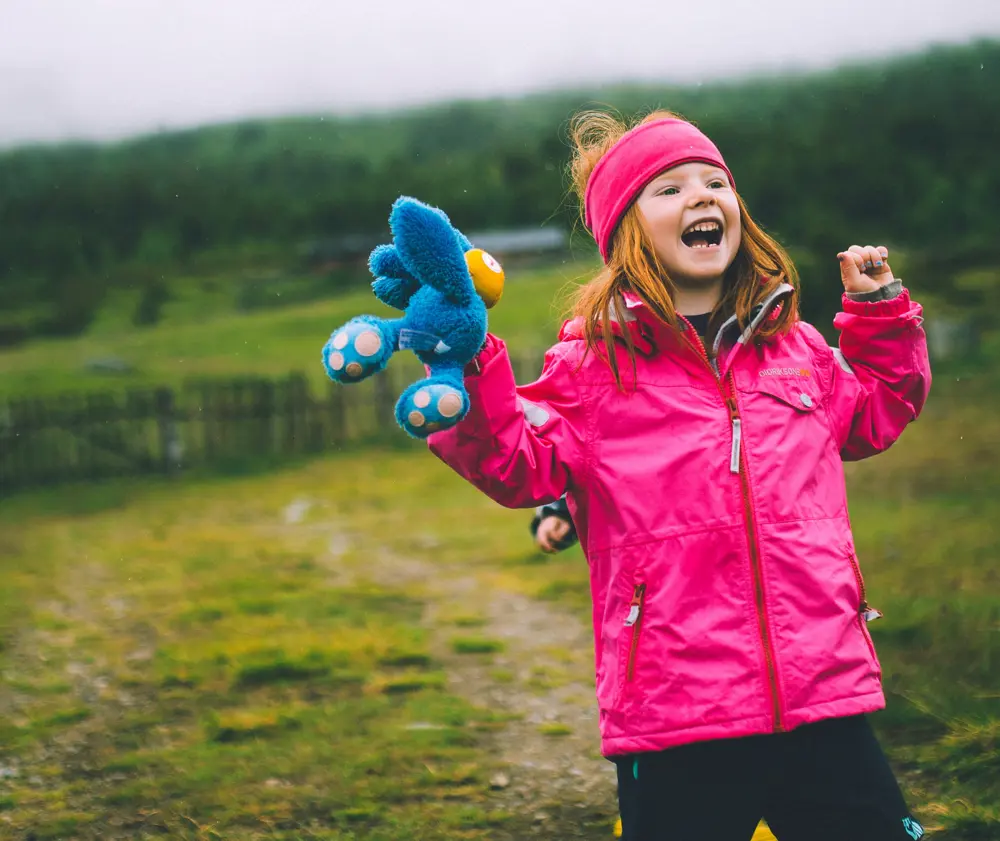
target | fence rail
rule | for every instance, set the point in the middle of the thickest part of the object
(202, 424)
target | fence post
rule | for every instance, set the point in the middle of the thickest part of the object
(171, 448)
(384, 384)
(263, 410)
(8, 465)
(136, 414)
(294, 413)
(337, 411)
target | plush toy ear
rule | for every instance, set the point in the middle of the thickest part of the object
(431, 249)
(393, 284)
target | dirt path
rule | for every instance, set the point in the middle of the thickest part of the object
(547, 756)
(546, 769)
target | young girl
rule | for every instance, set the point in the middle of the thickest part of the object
(697, 428)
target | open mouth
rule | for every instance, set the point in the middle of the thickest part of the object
(704, 234)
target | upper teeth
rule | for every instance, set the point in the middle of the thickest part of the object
(703, 226)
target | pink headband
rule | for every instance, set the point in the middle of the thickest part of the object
(639, 156)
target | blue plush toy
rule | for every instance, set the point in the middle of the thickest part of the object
(444, 287)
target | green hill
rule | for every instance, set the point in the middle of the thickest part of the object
(900, 151)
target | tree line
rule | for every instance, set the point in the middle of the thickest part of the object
(900, 151)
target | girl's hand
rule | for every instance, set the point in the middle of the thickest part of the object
(550, 531)
(865, 269)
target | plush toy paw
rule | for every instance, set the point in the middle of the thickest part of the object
(429, 406)
(355, 351)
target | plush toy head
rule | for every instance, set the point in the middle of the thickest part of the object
(487, 276)
(444, 286)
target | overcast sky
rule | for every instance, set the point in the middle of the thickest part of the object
(110, 68)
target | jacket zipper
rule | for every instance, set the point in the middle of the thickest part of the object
(634, 621)
(755, 566)
(866, 613)
(735, 462)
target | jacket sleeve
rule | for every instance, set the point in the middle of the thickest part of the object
(881, 376)
(521, 445)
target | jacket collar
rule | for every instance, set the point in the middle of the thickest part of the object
(630, 319)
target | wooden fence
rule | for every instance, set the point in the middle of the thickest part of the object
(209, 424)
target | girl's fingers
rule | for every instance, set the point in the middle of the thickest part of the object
(869, 257)
(857, 256)
(875, 259)
(872, 257)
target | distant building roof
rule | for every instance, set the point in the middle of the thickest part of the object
(520, 240)
(500, 242)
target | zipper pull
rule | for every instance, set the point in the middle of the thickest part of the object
(870, 614)
(635, 607)
(734, 456)
(734, 415)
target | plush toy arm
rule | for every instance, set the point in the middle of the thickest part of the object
(393, 284)
(432, 249)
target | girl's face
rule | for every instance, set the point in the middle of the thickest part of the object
(692, 216)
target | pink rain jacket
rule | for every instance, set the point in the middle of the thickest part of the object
(710, 504)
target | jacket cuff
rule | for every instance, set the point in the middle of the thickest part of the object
(883, 293)
(899, 305)
(490, 348)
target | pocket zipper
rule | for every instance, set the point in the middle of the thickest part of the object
(868, 613)
(634, 621)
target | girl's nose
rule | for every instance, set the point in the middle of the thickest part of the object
(702, 196)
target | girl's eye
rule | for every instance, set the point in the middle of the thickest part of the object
(669, 191)
(717, 184)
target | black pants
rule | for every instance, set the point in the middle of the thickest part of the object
(827, 781)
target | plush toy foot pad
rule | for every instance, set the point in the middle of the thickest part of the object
(428, 406)
(355, 351)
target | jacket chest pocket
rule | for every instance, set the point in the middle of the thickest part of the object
(786, 414)
(785, 432)
(801, 395)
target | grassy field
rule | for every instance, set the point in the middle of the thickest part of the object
(199, 337)
(201, 662)
(274, 656)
